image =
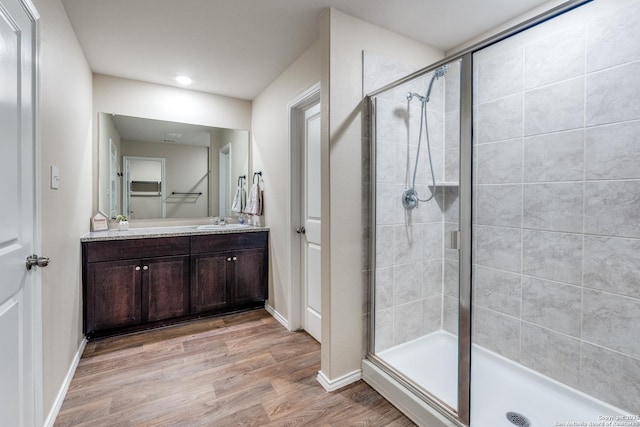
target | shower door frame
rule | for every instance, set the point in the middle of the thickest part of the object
(462, 416)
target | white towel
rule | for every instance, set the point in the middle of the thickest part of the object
(254, 204)
(239, 200)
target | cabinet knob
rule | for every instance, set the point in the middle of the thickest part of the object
(229, 259)
(137, 268)
(235, 258)
(145, 268)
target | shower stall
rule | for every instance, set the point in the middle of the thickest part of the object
(505, 227)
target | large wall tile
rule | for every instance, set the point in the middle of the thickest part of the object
(407, 322)
(555, 107)
(451, 278)
(432, 241)
(500, 163)
(500, 120)
(452, 129)
(497, 290)
(553, 207)
(409, 245)
(613, 152)
(452, 165)
(432, 278)
(553, 256)
(498, 333)
(554, 157)
(386, 201)
(612, 95)
(384, 329)
(385, 246)
(500, 76)
(452, 87)
(450, 314)
(611, 377)
(613, 39)
(552, 305)
(451, 205)
(552, 354)
(555, 58)
(612, 321)
(431, 314)
(498, 247)
(384, 288)
(385, 162)
(612, 265)
(499, 205)
(407, 283)
(612, 208)
(388, 120)
(430, 211)
(379, 71)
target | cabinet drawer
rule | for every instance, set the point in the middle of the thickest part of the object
(136, 248)
(228, 242)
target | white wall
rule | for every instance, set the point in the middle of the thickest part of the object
(65, 138)
(270, 152)
(343, 38)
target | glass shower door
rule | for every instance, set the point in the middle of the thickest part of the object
(416, 221)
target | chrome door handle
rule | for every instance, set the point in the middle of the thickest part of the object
(300, 230)
(454, 240)
(36, 261)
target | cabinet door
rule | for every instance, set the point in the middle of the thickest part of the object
(209, 282)
(250, 276)
(165, 288)
(113, 295)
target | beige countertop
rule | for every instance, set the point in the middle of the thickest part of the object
(151, 232)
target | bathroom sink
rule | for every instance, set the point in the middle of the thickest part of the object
(221, 227)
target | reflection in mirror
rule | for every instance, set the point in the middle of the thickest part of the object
(150, 169)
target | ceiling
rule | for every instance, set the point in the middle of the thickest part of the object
(157, 131)
(237, 47)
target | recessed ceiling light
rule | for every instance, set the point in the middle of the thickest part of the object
(184, 80)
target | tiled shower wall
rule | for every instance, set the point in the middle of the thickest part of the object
(410, 262)
(557, 202)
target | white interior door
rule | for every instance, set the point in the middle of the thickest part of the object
(19, 331)
(310, 229)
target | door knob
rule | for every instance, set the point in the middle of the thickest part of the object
(145, 268)
(137, 268)
(300, 230)
(36, 261)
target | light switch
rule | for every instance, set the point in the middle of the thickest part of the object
(55, 177)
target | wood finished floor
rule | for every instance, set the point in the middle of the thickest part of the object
(243, 369)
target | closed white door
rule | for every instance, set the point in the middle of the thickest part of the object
(310, 229)
(19, 349)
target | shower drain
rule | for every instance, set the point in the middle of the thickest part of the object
(518, 419)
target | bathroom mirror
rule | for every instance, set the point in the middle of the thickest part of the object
(153, 169)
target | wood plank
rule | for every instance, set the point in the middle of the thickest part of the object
(240, 369)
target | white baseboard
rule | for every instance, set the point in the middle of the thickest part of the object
(57, 404)
(345, 380)
(279, 317)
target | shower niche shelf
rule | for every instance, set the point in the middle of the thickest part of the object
(445, 184)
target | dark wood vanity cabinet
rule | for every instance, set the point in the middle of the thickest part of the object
(228, 270)
(139, 283)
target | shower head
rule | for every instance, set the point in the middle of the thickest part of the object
(440, 72)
